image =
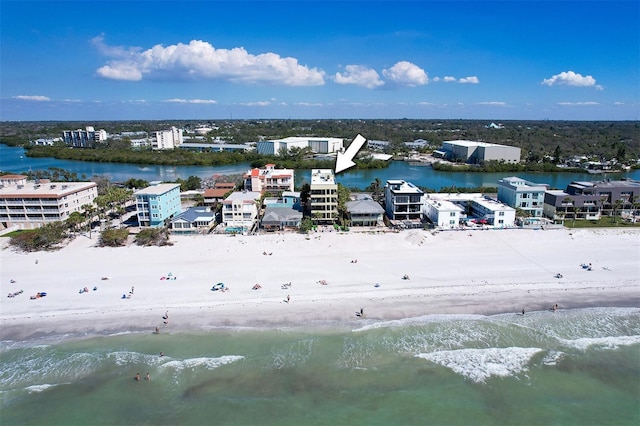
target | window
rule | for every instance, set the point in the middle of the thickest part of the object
(500, 213)
(452, 214)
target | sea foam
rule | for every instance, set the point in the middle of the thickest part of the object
(480, 364)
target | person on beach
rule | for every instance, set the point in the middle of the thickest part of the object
(288, 298)
(157, 331)
(161, 353)
(148, 377)
(137, 377)
(523, 312)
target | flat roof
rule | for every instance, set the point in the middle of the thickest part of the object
(159, 189)
(322, 177)
(44, 190)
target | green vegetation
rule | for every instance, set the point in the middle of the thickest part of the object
(496, 166)
(153, 237)
(114, 237)
(543, 143)
(47, 237)
(603, 222)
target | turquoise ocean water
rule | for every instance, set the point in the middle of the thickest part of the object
(570, 367)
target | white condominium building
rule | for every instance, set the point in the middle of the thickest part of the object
(30, 205)
(323, 196)
(168, 139)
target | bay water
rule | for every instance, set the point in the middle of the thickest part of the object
(14, 160)
(570, 367)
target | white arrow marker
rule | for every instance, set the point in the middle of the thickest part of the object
(344, 161)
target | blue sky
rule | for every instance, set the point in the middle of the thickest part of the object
(121, 60)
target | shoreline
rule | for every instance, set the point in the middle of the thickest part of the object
(484, 273)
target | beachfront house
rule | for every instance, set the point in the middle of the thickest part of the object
(156, 204)
(403, 203)
(269, 179)
(31, 204)
(193, 220)
(240, 211)
(362, 210)
(522, 194)
(280, 218)
(323, 196)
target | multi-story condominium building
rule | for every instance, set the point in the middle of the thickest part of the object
(403, 201)
(591, 200)
(472, 207)
(167, 139)
(522, 194)
(84, 138)
(492, 212)
(442, 213)
(478, 152)
(156, 204)
(323, 196)
(240, 211)
(317, 145)
(269, 179)
(29, 205)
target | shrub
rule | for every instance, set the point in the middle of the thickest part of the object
(153, 237)
(114, 237)
(46, 237)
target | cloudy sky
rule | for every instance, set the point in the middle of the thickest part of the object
(118, 60)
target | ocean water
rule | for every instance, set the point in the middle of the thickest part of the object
(570, 367)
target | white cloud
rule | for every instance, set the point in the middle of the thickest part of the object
(471, 80)
(200, 60)
(191, 101)
(492, 103)
(590, 103)
(360, 76)
(570, 78)
(448, 79)
(34, 98)
(257, 103)
(406, 74)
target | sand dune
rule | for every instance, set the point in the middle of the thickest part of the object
(450, 272)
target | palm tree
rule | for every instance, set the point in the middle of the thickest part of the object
(616, 207)
(89, 210)
(74, 219)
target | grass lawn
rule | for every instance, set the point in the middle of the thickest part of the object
(604, 222)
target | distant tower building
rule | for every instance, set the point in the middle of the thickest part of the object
(168, 139)
(84, 138)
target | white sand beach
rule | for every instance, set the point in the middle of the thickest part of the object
(482, 272)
